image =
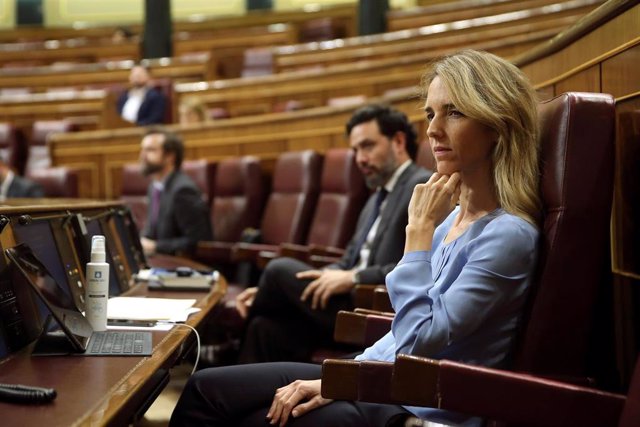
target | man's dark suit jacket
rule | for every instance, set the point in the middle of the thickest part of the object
(388, 245)
(151, 110)
(183, 218)
(22, 187)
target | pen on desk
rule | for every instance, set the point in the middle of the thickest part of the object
(130, 322)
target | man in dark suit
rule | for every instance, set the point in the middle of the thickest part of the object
(141, 104)
(293, 309)
(12, 185)
(178, 217)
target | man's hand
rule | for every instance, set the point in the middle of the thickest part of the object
(287, 401)
(326, 284)
(244, 301)
(148, 246)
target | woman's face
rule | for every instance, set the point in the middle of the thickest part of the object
(459, 144)
(188, 116)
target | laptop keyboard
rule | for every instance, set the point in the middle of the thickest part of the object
(120, 343)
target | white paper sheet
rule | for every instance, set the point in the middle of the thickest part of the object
(136, 308)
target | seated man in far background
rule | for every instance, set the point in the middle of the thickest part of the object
(12, 185)
(178, 217)
(142, 104)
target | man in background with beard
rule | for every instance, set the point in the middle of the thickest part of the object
(292, 310)
(177, 215)
(142, 104)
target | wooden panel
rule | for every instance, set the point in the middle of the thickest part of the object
(344, 13)
(606, 40)
(265, 136)
(620, 76)
(411, 41)
(546, 92)
(457, 10)
(584, 81)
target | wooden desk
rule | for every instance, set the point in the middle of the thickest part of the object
(101, 390)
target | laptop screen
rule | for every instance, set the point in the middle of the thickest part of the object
(39, 236)
(49, 291)
(130, 240)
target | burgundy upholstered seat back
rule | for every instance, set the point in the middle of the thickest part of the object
(134, 192)
(13, 147)
(294, 192)
(203, 173)
(577, 160)
(343, 193)
(631, 412)
(240, 192)
(38, 155)
(57, 182)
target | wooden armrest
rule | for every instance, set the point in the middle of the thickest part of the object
(264, 257)
(291, 250)
(359, 328)
(368, 381)
(363, 295)
(172, 262)
(367, 311)
(212, 252)
(511, 397)
(320, 261)
(415, 381)
(328, 251)
(249, 251)
(374, 382)
(381, 300)
(340, 379)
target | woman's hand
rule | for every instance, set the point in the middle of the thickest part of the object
(244, 301)
(429, 206)
(287, 401)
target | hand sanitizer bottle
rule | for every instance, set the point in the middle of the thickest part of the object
(97, 289)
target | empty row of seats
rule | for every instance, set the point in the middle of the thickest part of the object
(27, 153)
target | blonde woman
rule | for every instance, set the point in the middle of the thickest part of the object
(192, 110)
(470, 252)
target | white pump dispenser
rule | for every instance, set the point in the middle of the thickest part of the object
(97, 289)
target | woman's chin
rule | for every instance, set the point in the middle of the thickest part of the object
(444, 169)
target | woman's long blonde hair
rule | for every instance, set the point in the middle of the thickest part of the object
(496, 93)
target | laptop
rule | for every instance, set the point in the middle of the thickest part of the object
(75, 336)
(180, 279)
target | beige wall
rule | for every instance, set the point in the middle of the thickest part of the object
(79, 13)
(7, 14)
(67, 13)
(300, 4)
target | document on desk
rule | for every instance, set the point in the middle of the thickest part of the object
(135, 308)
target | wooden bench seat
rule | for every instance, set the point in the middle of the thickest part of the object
(313, 88)
(454, 11)
(317, 54)
(345, 14)
(99, 155)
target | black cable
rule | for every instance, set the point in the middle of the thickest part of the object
(26, 394)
